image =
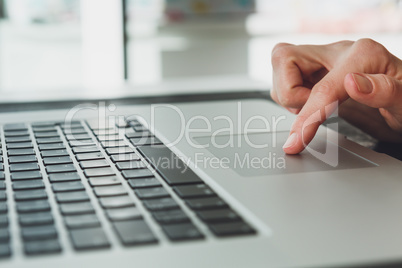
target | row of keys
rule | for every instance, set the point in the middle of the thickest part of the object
(79, 216)
(5, 250)
(35, 217)
(173, 220)
(211, 209)
(126, 219)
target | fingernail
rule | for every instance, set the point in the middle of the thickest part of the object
(292, 139)
(363, 84)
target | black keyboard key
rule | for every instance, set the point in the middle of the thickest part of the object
(144, 183)
(56, 160)
(125, 157)
(133, 122)
(230, 229)
(50, 153)
(108, 131)
(193, 191)
(77, 143)
(4, 235)
(42, 247)
(136, 135)
(162, 204)
(110, 191)
(3, 208)
(70, 125)
(174, 174)
(43, 124)
(62, 177)
(82, 221)
(2, 176)
(119, 150)
(130, 165)
(22, 159)
(33, 206)
(110, 137)
(123, 214)
(32, 219)
(15, 127)
(76, 137)
(219, 215)
(47, 134)
(3, 221)
(39, 232)
(77, 208)
(145, 141)
(5, 250)
(206, 203)
(93, 238)
(48, 140)
(68, 186)
(86, 149)
(182, 231)
(19, 133)
(24, 167)
(60, 168)
(116, 202)
(28, 185)
(17, 152)
(139, 128)
(3, 196)
(51, 146)
(111, 144)
(30, 195)
(137, 173)
(94, 163)
(26, 175)
(99, 172)
(104, 181)
(1, 167)
(72, 197)
(44, 129)
(170, 216)
(89, 156)
(2, 185)
(19, 145)
(150, 193)
(135, 232)
(18, 139)
(78, 130)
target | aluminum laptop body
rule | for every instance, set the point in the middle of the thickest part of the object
(335, 204)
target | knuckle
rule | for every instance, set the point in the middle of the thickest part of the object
(281, 52)
(367, 46)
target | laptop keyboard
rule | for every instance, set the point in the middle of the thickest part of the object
(81, 166)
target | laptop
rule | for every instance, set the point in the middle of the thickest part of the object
(190, 184)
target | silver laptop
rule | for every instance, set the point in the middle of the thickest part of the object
(197, 184)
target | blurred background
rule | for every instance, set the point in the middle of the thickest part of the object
(189, 45)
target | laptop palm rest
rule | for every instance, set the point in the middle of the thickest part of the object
(259, 154)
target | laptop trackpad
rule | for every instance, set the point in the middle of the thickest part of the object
(259, 154)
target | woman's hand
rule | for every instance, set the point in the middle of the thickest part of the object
(312, 81)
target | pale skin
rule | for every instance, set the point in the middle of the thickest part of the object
(362, 77)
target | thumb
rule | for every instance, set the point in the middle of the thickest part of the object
(374, 90)
(378, 91)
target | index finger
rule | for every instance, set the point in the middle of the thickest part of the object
(323, 101)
